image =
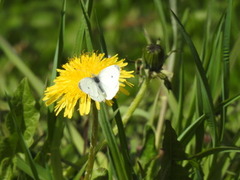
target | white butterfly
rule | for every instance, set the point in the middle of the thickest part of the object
(104, 86)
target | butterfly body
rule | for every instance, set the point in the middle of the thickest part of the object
(104, 86)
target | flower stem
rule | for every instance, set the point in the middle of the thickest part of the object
(161, 122)
(136, 101)
(93, 143)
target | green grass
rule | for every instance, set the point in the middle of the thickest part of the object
(189, 132)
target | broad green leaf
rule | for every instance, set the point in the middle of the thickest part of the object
(172, 152)
(100, 174)
(148, 152)
(19, 117)
(8, 149)
(175, 171)
(171, 146)
(9, 146)
(148, 156)
(21, 122)
(26, 113)
(7, 168)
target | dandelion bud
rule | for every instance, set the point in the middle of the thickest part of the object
(153, 57)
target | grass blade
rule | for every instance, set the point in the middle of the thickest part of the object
(123, 139)
(203, 80)
(215, 60)
(227, 102)
(86, 14)
(83, 35)
(235, 51)
(55, 149)
(103, 45)
(160, 10)
(43, 173)
(19, 63)
(57, 123)
(179, 114)
(189, 132)
(225, 67)
(112, 144)
(214, 151)
(60, 44)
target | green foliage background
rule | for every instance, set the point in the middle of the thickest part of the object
(202, 41)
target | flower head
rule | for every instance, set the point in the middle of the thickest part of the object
(154, 57)
(66, 90)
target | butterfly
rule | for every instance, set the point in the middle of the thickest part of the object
(104, 86)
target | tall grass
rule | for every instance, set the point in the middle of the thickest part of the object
(188, 132)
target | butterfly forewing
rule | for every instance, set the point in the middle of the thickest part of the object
(91, 87)
(109, 81)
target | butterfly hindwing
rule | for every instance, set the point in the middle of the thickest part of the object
(104, 86)
(109, 80)
(91, 87)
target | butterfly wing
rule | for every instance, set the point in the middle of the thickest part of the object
(109, 80)
(91, 87)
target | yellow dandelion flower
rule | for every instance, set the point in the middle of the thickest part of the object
(78, 82)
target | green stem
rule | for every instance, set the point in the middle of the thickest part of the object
(136, 101)
(160, 123)
(93, 143)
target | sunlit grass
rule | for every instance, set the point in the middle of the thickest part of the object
(189, 130)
